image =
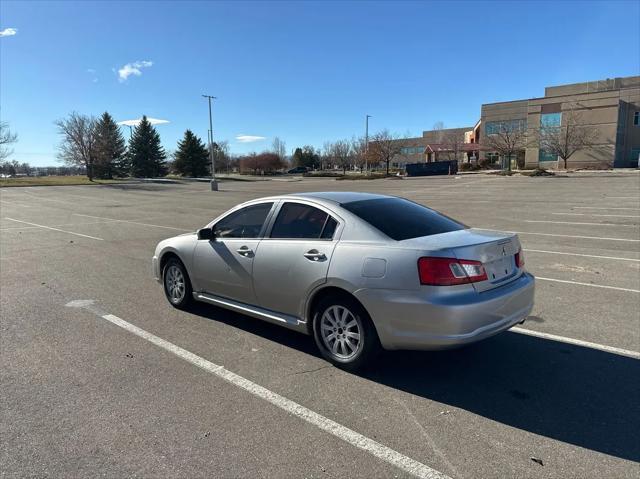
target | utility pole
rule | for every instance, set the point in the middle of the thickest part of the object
(366, 144)
(214, 184)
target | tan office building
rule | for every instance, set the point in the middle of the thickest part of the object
(611, 108)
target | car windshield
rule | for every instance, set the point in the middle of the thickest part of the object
(402, 219)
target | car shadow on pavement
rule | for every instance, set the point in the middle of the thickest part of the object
(577, 395)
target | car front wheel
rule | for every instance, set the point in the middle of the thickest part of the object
(344, 333)
(177, 287)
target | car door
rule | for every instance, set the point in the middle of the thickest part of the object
(224, 266)
(295, 256)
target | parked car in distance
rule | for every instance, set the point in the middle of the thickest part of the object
(357, 271)
(298, 169)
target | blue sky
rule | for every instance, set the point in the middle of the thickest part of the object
(304, 71)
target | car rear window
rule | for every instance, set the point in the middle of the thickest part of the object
(402, 219)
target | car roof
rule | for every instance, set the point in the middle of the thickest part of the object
(339, 197)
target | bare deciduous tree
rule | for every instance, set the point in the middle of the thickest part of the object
(359, 151)
(452, 143)
(383, 147)
(279, 147)
(326, 156)
(6, 138)
(78, 145)
(221, 156)
(507, 141)
(568, 138)
(438, 127)
(342, 154)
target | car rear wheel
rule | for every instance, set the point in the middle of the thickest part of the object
(177, 286)
(344, 333)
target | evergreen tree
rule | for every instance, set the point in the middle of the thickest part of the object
(146, 155)
(110, 158)
(192, 158)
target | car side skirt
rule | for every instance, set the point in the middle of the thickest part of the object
(285, 320)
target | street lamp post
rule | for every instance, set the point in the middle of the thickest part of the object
(214, 184)
(366, 144)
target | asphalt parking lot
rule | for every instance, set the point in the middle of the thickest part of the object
(81, 396)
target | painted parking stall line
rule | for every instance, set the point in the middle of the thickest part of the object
(55, 229)
(565, 236)
(618, 258)
(603, 208)
(622, 225)
(629, 290)
(597, 215)
(134, 222)
(350, 436)
(16, 228)
(577, 342)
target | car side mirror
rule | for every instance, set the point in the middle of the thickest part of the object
(206, 234)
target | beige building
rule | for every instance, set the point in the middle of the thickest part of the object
(433, 145)
(611, 108)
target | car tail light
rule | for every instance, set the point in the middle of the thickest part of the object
(449, 271)
(520, 259)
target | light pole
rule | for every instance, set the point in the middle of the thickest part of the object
(214, 184)
(366, 144)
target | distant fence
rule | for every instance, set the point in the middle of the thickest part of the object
(430, 169)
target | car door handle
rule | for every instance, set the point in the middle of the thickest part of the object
(314, 255)
(245, 251)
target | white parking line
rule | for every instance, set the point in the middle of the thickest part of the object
(601, 208)
(564, 236)
(54, 229)
(592, 214)
(350, 436)
(14, 204)
(63, 224)
(579, 254)
(48, 199)
(578, 342)
(134, 222)
(588, 284)
(577, 223)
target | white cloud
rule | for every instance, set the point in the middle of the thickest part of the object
(8, 32)
(90, 70)
(249, 138)
(134, 69)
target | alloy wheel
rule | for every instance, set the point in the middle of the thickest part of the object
(174, 284)
(340, 332)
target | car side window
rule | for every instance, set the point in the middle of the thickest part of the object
(298, 221)
(244, 223)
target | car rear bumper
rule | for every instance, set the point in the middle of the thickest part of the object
(415, 320)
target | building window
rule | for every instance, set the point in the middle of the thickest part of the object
(636, 118)
(550, 120)
(635, 157)
(494, 127)
(492, 157)
(544, 155)
(412, 150)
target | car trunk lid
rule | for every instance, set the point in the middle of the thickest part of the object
(495, 250)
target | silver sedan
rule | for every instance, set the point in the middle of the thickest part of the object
(357, 271)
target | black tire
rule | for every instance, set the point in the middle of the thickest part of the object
(328, 332)
(176, 284)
